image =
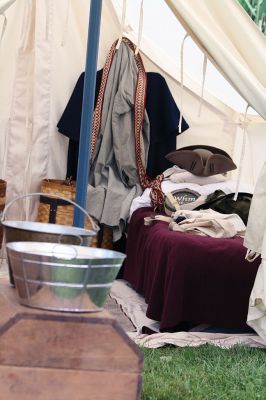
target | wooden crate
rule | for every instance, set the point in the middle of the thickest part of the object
(64, 356)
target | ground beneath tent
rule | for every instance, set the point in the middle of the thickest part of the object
(135, 308)
(113, 308)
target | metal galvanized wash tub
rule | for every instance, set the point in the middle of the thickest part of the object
(17, 231)
(63, 277)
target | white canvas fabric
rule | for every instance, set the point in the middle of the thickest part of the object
(44, 50)
(218, 123)
(255, 241)
(257, 303)
(5, 4)
(256, 226)
(237, 47)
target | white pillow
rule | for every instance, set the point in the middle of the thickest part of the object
(181, 177)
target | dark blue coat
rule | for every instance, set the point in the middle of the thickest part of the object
(163, 116)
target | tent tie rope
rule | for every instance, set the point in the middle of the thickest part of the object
(28, 12)
(5, 147)
(157, 195)
(4, 26)
(240, 169)
(47, 21)
(251, 255)
(65, 25)
(24, 24)
(141, 14)
(182, 82)
(204, 68)
(122, 26)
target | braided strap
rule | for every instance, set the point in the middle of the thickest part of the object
(97, 115)
(157, 196)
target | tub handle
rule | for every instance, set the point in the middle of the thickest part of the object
(63, 254)
(95, 227)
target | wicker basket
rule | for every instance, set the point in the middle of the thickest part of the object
(2, 204)
(53, 211)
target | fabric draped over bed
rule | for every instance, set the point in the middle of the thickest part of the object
(188, 279)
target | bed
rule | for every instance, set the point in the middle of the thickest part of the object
(186, 279)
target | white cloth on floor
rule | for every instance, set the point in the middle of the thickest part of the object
(196, 339)
(134, 306)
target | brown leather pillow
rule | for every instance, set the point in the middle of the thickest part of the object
(202, 160)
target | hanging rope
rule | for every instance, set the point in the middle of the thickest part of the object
(47, 20)
(4, 27)
(66, 24)
(27, 24)
(204, 68)
(122, 25)
(5, 147)
(24, 25)
(181, 82)
(242, 153)
(28, 98)
(141, 14)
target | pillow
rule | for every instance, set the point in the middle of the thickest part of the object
(181, 177)
(202, 160)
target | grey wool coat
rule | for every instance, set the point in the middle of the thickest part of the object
(113, 181)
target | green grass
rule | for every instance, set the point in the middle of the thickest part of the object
(205, 372)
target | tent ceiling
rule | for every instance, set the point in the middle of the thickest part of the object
(5, 4)
(232, 41)
(168, 42)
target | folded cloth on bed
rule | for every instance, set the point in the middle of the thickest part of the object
(187, 176)
(179, 175)
(211, 224)
(205, 223)
(167, 186)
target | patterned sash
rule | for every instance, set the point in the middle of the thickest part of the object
(157, 196)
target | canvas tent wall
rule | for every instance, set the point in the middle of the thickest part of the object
(43, 49)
